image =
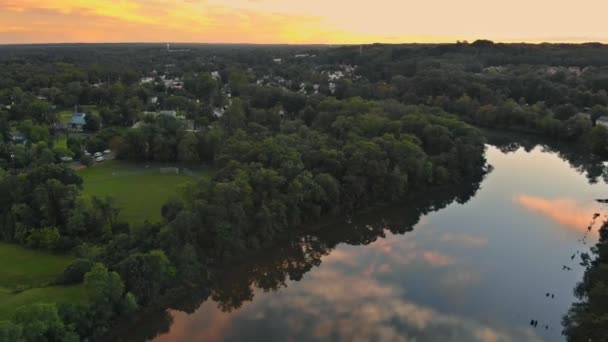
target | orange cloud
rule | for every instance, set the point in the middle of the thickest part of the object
(564, 211)
(437, 259)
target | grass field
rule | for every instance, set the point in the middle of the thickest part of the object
(61, 141)
(140, 192)
(25, 275)
(24, 267)
(10, 300)
(65, 116)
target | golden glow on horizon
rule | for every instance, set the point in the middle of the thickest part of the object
(312, 21)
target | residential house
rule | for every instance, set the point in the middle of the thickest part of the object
(146, 80)
(171, 113)
(602, 121)
(173, 84)
(316, 88)
(78, 121)
(138, 124)
(218, 112)
(332, 87)
(334, 76)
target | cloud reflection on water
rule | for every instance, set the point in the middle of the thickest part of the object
(564, 211)
(340, 302)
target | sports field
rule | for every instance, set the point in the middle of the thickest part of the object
(139, 190)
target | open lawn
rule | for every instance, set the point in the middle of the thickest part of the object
(24, 267)
(24, 276)
(140, 192)
(10, 299)
(65, 115)
(61, 141)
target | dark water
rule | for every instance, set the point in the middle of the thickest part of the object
(467, 264)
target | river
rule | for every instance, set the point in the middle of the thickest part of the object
(469, 264)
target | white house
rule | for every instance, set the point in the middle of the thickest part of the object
(171, 113)
(146, 80)
(78, 120)
(218, 112)
(332, 87)
(602, 121)
(316, 88)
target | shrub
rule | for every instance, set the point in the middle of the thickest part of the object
(74, 273)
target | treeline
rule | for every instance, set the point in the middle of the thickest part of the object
(354, 154)
(557, 91)
(587, 320)
(43, 208)
(277, 172)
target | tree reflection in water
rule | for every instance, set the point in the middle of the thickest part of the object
(233, 285)
(580, 159)
(289, 260)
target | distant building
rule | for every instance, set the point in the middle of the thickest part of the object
(277, 60)
(78, 120)
(216, 75)
(138, 124)
(18, 138)
(332, 88)
(174, 84)
(154, 100)
(602, 121)
(218, 112)
(146, 80)
(171, 113)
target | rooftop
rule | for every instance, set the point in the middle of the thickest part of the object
(78, 119)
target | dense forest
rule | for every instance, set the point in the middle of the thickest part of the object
(295, 134)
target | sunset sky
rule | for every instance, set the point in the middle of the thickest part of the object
(299, 21)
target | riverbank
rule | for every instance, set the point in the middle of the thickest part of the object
(455, 245)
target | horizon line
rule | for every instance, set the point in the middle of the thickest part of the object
(506, 42)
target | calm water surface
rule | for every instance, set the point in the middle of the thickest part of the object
(474, 265)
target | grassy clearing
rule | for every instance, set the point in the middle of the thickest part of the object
(140, 192)
(25, 275)
(20, 267)
(61, 141)
(10, 299)
(65, 115)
